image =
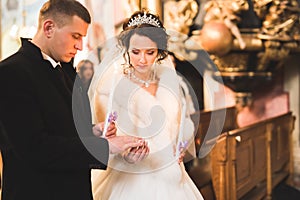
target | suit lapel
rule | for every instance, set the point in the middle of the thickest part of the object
(65, 90)
(45, 67)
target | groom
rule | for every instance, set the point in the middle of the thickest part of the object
(44, 156)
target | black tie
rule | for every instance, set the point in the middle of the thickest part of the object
(63, 77)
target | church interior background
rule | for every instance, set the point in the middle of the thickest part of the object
(245, 54)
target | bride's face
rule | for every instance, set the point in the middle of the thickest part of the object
(143, 52)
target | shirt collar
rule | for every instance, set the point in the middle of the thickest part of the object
(51, 60)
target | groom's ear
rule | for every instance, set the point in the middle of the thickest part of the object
(49, 28)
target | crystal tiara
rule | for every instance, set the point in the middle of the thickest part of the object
(143, 20)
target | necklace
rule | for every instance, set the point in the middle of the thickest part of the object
(145, 83)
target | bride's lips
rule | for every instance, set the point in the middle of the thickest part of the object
(142, 66)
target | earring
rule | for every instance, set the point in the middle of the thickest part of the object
(154, 70)
(128, 69)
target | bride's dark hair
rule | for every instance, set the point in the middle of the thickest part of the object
(154, 30)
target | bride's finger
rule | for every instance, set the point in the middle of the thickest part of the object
(143, 154)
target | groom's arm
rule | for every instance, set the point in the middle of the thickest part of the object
(32, 141)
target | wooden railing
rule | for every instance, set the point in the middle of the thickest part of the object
(210, 125)
(244, 163)
(247, 163)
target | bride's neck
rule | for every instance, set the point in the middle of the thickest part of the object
(144, 76)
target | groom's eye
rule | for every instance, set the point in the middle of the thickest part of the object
(76, 36)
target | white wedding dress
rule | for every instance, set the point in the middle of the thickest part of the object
(155, 118)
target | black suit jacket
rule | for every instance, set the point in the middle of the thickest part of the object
(46, 158)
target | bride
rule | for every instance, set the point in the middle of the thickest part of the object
(140, 91)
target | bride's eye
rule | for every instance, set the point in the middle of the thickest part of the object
(150, 52)
(135, 52)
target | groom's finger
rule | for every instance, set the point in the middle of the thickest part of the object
(131, 142)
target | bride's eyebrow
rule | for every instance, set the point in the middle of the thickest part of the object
(151, 49)
(146, 48)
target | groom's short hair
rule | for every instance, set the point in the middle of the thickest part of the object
(61, 11)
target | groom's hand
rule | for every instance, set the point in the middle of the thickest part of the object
(111, 130)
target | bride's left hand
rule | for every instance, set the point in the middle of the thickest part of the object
(137, 154)
(181, 155)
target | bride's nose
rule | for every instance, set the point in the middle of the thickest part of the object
(142, 58)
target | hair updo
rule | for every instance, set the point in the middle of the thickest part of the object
(156, 33)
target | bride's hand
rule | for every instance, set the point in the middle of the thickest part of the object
(137, 154)
(181, 155)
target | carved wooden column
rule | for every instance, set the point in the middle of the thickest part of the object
(269, 160)
(231, 187)
(219, 163)
(291, 146)
(224, 163)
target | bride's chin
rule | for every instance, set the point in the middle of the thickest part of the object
(143, 71)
